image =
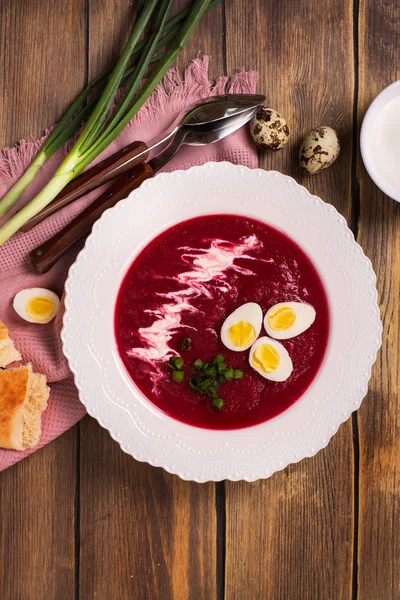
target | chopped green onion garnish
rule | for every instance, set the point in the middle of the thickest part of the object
(176, 362)
(193, 384)
(207, 377)
(218, 359)
(228, 374)
(205, 385)
(186, 344)
(178, 376)
(210, 371)
(217, 403)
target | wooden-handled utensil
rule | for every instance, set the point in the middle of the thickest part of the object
(206, 123)
(113, 166)
(46, 255)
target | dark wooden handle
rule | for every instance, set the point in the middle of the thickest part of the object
(105, 171)
(46, 255)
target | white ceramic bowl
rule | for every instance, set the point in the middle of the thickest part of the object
(388, 94)
(113, 399)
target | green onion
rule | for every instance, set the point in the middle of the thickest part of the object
(219, 359)
(176, 362)
(186, 344)
(76, 114)
(217, 403)
(206, 378)
(210, 371)
(193, 384)
(204, 386)
(178, 376)
(97, 134)
(228, 374)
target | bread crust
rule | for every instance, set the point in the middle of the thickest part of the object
(13, 392)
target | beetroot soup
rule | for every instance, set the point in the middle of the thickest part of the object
(184, 284)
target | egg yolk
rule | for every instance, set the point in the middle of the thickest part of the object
(40, 309)
(266, 358)
(242, 334)
(282, 318)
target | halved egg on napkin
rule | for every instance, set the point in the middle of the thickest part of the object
(36, 305)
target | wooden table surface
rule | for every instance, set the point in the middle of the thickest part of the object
(82, 520)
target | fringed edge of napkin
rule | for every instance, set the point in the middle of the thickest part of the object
(167, 98)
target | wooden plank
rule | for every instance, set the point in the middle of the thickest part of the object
(42, 68)
(207, 39)
(379, 416)
(292, 536)
(37, 524)
(143, 533)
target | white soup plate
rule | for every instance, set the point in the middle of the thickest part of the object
(138, 426)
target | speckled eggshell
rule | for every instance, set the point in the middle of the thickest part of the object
(319, 149)
(269, 129)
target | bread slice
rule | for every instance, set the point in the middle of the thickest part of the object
(8, 352)
(23, 398)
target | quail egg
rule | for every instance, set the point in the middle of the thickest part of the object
(288, 319)
(270, 359)
(242, 327)
(319, 149)
(36, 305)
(269, 129)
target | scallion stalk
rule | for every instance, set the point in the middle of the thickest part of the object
(77, 113)
(77, 159)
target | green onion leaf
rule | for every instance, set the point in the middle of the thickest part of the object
(194, 384)
(217, 403)
(176, 362)
(210, 371)
(178, 376)
(237, 374)
(198, 364)
(218, 359)
(186, 344)
(228, 374)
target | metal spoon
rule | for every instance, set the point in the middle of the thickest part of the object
(204, 123)
(224, 117)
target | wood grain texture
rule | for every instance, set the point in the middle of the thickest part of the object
(207, 39)
(42, 49)
(42, 69)
(379, 416)
(292, 535)
(37, 524)
(144, 534)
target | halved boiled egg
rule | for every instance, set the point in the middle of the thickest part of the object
(288, 319)
(242, 327)
(36, 305)
(270, 359)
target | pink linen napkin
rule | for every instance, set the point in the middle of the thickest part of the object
(40, 344)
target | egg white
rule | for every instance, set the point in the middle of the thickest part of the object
(250, 313)
(285, 367)
(305, 317)
(23, 298)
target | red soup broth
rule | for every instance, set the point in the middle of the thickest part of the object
(184, 283)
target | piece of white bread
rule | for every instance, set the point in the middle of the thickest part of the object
(8, 352)
(23, 398)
